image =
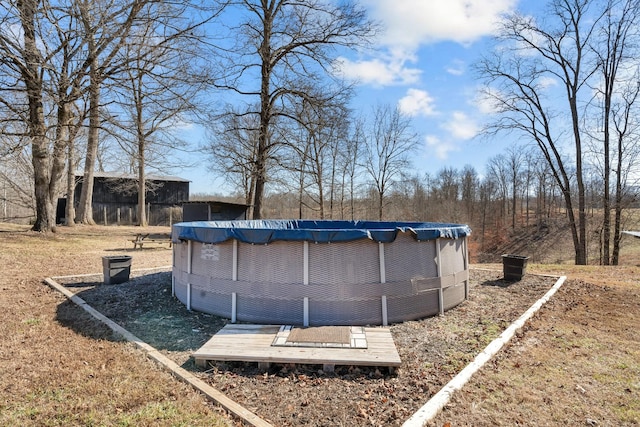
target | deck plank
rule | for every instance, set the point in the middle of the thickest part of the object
(252, 343)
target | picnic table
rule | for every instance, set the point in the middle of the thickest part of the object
(149, 238)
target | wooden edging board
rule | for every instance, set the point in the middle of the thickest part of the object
(181, 373)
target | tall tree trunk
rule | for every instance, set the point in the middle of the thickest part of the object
(70, 210)
(606, 199)
(259, 189)
(143, 221)
(514, 194)
(142, 199)
(580, 240)
(265, 114)
(142, 187)
(85, 208)
(62, 132)
(618, 205)
(43, 185)
(250, 194)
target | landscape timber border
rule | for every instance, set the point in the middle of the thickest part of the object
(210, 392)
(430, 409)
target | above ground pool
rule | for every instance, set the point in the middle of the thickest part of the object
(303, 272)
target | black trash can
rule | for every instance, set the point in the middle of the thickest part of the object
(116, 269)
(514, 267)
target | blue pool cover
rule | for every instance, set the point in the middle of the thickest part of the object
(321, 231)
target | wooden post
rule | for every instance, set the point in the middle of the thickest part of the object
(118, 215)
(104, 215)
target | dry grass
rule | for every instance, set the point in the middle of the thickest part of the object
(576, 363)
(53, 375)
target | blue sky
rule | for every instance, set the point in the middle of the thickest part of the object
(422, 63)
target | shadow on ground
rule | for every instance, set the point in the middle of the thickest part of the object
(145, 307)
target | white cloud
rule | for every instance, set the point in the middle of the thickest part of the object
(547, 82)
(460, 126)
(417, 103)
(485, 100)
(456, 68)
(410, 23)
(440, 148)
(377, 71)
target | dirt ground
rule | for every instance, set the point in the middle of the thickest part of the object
(575, 363)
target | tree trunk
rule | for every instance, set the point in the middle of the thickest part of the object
(85, 208)
(580, 240)
(514, 200)
(618, 205)
(259, 191)
(606, 200)
(265, 114)
(70, 209)
(43, 185)
(142, 190)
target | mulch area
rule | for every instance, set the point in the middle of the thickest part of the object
(433, 350)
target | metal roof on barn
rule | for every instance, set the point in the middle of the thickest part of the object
(120, 175)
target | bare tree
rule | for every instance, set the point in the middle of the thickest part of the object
(16, 181)
(469, 183)
(446, 193)
(615, 51)
(233, 147)
(23, 68)
(321, 128)
(529, 174)
(106, 26)
(350, 167)
(389, 144)
(41, 49)
(625, 115)
(532, 57)
(283, 47)
(487, 192)
(515, 159)
(157, 88)
(498, 170)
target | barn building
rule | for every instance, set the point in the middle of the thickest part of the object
(115, 199)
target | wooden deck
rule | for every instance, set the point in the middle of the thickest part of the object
(253, 343)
